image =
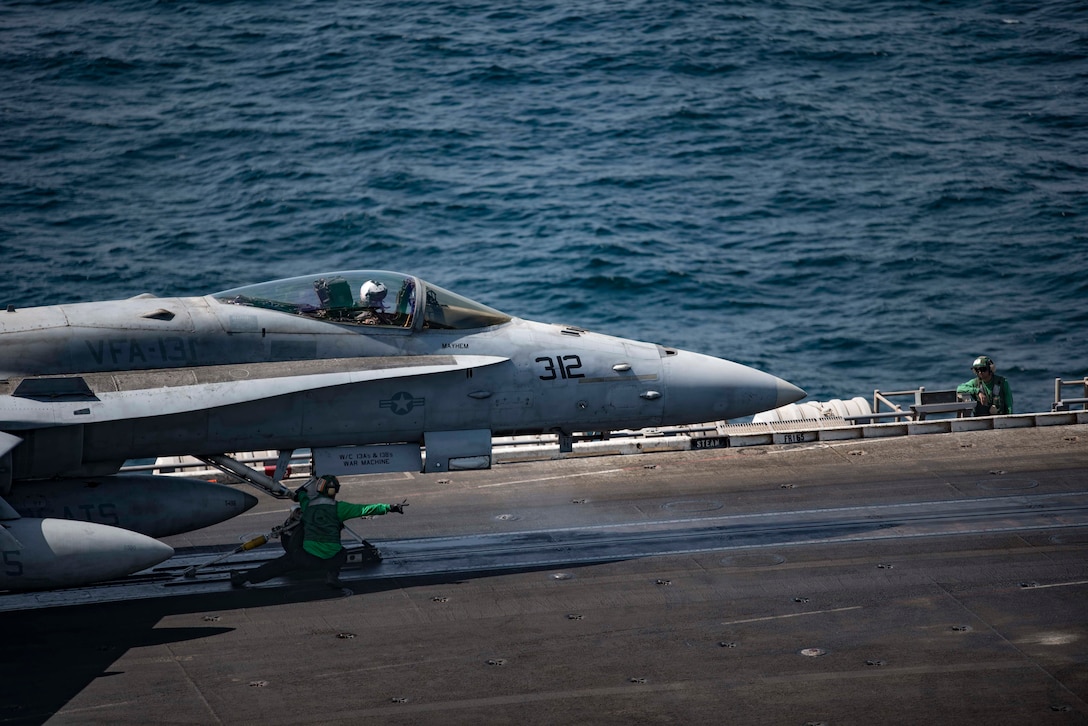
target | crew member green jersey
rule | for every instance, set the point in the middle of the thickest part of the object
(323, 518)
(997, 393)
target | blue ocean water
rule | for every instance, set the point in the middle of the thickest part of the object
(851, 195)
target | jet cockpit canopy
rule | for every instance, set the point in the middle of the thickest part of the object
(367, 297)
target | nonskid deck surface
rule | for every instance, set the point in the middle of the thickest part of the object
(938, 579)
(702, 530)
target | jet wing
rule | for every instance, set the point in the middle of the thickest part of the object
(93, 398)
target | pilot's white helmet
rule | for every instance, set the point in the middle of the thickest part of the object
(372, 294)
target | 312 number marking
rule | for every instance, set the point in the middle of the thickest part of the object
(562, 366)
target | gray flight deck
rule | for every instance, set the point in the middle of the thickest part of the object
(939, 579)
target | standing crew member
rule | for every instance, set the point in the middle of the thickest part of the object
(322, 519)
(989, 391)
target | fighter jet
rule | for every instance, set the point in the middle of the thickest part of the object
(330, 362)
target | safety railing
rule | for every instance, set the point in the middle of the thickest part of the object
(922, 403)
(1062, 403)
(894, 412)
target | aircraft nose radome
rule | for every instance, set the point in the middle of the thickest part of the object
(787, 393)
(701, 388)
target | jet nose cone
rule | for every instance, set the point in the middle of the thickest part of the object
(788, 393)
(701, 388)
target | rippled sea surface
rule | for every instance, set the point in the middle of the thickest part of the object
(850, 195)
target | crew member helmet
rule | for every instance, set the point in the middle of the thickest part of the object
(328, 485)
(983, 362)
(372, 294)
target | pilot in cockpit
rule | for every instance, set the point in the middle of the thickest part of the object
(372, 300)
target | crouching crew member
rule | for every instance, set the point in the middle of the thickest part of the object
(322, 519)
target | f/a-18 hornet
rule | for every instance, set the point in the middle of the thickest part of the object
(343, 359)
